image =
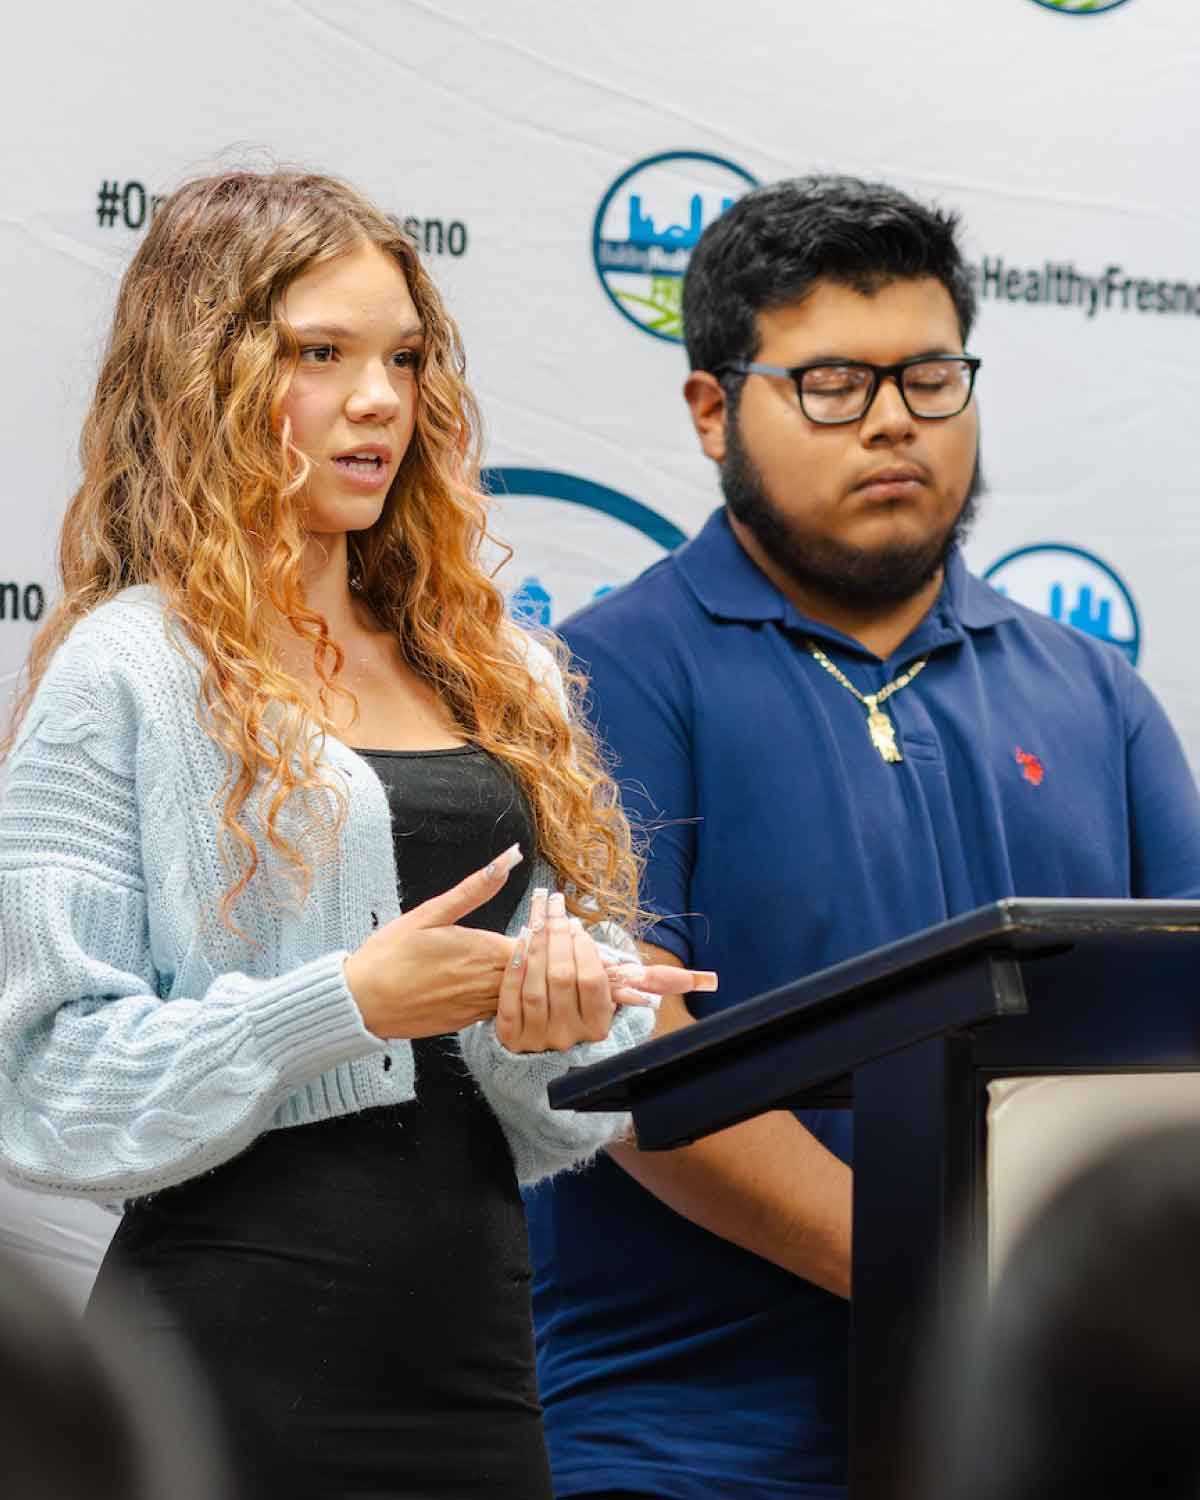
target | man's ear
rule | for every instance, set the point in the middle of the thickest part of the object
(706, 402)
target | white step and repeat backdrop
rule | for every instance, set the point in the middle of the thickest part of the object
(557, 160)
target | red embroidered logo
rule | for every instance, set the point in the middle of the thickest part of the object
(1031, 768)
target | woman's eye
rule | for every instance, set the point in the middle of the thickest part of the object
(318, 354)
(406, 359)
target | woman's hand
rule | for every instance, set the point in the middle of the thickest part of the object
(635, 983)
(557, 990)
(420, 975)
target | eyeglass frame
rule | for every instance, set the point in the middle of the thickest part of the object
(879, 373)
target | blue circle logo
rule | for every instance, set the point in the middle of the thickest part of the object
(646, 226)
(1080, 7)
(573, 540)
(1072, 586)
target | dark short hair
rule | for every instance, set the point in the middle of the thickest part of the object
(774, 244)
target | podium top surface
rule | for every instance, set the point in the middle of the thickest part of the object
(1015, 926)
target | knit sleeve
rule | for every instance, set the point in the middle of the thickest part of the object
(545, 1140)
(108, 1088)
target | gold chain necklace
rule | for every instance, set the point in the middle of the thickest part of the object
(879, 726)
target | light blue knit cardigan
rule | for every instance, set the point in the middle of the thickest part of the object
(141, 1041)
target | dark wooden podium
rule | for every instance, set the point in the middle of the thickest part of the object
(911, 1035)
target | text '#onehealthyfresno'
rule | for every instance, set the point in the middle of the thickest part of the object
(126, 204)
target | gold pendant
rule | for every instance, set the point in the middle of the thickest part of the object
(883, 735)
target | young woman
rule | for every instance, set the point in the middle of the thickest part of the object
(296, 851)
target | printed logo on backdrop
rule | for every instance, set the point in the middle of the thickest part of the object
(573, 540)
(1072, 586)
(1079, 7)
(1056, 283)
(647, 225)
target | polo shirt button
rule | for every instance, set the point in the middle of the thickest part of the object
(387, 1063)
(374, 919)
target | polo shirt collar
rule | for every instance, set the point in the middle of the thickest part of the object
(732, 587)
(724, 579)
(975, 603)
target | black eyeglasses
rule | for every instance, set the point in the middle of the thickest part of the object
(836, 391)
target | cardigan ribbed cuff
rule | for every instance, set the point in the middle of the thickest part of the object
(308, 1022)
(551, 1064)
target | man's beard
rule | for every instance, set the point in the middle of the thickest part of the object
(857, 577)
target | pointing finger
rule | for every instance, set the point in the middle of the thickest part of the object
(663, 979)
(469, 894)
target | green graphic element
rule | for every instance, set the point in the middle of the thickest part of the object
(1080, 7)
(665, 304)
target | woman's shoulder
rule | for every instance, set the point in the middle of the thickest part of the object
(130, 637)
(531, 647)
(121, 663)
(135, 612)
(540, 653)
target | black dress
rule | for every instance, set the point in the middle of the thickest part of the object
(358, 1290)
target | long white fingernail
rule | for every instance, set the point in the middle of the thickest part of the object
(518, 957)
(556, 906)
(644, 997)
(506, 862)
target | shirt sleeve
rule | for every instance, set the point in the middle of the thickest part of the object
(1164, 807)
(108, 1087)
(639, 702)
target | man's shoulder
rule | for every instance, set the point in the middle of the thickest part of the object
(1056, 644)
(638, 642)
(638, 613)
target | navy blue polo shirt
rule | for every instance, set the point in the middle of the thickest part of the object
(1036, 763)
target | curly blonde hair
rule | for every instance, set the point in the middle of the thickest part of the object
(191, 483)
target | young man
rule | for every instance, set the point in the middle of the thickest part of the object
(838, 736)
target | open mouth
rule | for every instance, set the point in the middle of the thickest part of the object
(369, 463)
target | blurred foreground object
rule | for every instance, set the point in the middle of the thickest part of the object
(1082, 1376)
(61, 1240)
(77, 1422)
